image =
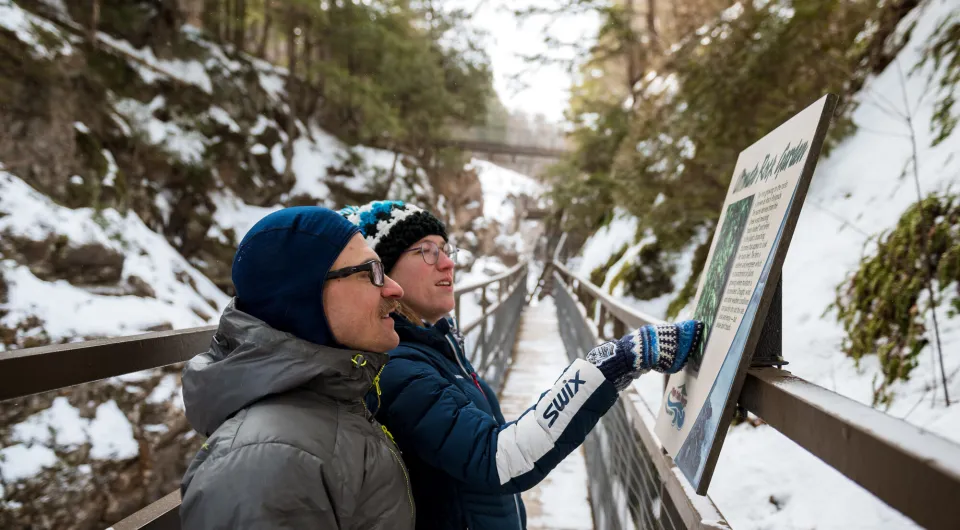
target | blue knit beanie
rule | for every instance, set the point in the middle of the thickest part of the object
(280, 267)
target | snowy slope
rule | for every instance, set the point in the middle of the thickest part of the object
(504, 192)
(762, 479)
(502, 189)
(102, 423)
(182, 294)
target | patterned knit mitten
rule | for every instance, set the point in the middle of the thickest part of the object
(663, 348)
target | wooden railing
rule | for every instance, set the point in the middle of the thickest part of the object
(34, 370)
(913, 471)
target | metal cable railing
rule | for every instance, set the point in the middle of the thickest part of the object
(489, 339)
(634, 484)
(624, 480)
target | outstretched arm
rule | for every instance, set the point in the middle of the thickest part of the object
(434, 419)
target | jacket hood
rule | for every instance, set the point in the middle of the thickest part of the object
(249, 360)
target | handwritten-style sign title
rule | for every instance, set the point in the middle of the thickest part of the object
(771, 166)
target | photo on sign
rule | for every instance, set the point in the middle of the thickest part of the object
(734, 224)
(692, 457)
(737, 287)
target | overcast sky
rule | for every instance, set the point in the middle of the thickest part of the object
(543, 89)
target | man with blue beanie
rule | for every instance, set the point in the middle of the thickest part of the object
(280, 391)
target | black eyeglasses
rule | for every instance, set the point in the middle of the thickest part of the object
(430, 251)
(373, 267)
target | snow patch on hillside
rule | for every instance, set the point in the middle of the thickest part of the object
(501, 186)
(762, 479)
(44, 38)
(605, 242)
(70, 312)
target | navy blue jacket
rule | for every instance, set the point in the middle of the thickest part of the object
(467, 464)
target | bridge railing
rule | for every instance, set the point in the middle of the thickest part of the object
(489, 339)
(633, 483)
(31, 371)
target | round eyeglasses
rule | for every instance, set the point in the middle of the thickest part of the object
(373, 267)
(430, 251)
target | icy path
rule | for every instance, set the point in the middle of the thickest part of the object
(560, 501)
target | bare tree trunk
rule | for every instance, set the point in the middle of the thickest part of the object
(629, 45)
(292, 45)
(228, 22)
(267, 21)
(211, 16)
(292, 91)
(94, 22)
(393, 173)
(308, 45)
(652, 17)
(239, 33)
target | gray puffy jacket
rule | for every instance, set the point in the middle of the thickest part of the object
(292, 444)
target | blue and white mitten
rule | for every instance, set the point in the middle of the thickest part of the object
(662, 348)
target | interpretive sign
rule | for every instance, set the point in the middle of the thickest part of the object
(743, 267)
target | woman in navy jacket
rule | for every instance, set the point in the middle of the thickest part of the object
(468, 464)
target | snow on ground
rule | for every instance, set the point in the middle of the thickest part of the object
(169, 387)
(561, 501)
(111, 435)
(232, 213)
(34, 31)
(605, 242)
(500, 186)
(177, 139)
(190, 72)
(69, 311)
(762, 479)
(858, 191)
(22, 461)
(482, 268)
(61, 427)
(109, 432)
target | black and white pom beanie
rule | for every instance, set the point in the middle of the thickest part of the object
(390, 227)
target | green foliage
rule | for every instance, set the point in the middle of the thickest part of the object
(383, 73)
(667, 153)
(689, 289)
(584, 184)
(944, 53)
(599, 275)
(648, 275)
(718, 273)
(883, 306)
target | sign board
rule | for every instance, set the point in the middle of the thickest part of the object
(743, 267)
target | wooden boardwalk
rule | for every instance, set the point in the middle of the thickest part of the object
(560, 502)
